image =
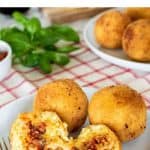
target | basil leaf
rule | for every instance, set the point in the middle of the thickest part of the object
(31, 60)
(20, 18)
(33, 26)
(65, 32)
(67, 49)
(18, 40)
(44, 64)
(58, 58)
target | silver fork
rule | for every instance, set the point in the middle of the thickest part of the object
(4, 144)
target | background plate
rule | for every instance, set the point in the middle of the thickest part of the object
(116, 56)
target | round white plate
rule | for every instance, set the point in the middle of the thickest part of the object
(9, 113)
(116, 56)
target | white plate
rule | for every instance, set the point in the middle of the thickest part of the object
(9, 113)
(116, 56)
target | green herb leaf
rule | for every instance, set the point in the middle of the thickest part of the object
(46, 37)
(31, 60)
(33, 26)
(65, 32)
(18, 40)
(34, 46)
(58, 58)
(67, 49)
(20, 18)
(44, 64)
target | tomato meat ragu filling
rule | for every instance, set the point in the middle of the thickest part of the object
(35, 134)
(3, 55)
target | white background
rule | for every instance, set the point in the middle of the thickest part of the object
(74, 3)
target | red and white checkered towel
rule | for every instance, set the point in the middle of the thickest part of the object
(85, 68)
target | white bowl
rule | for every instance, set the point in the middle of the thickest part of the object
(5, 64)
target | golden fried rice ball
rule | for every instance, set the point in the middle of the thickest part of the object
(136, 40)
(138, 12)
(121, 108)
(97, 137)
(109, 29)
(40, 131)
(65, 98)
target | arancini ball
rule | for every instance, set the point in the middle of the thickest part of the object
(121, 108)
(138, 12)
(66, 98)
(109, 29)
(136, 40)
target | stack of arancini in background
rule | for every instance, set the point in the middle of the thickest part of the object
(128, 29)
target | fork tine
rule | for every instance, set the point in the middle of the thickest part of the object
(4, 143)
(0, 146)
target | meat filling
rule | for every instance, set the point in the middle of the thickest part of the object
(36, 135)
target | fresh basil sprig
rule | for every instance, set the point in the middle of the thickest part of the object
(36, 46)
